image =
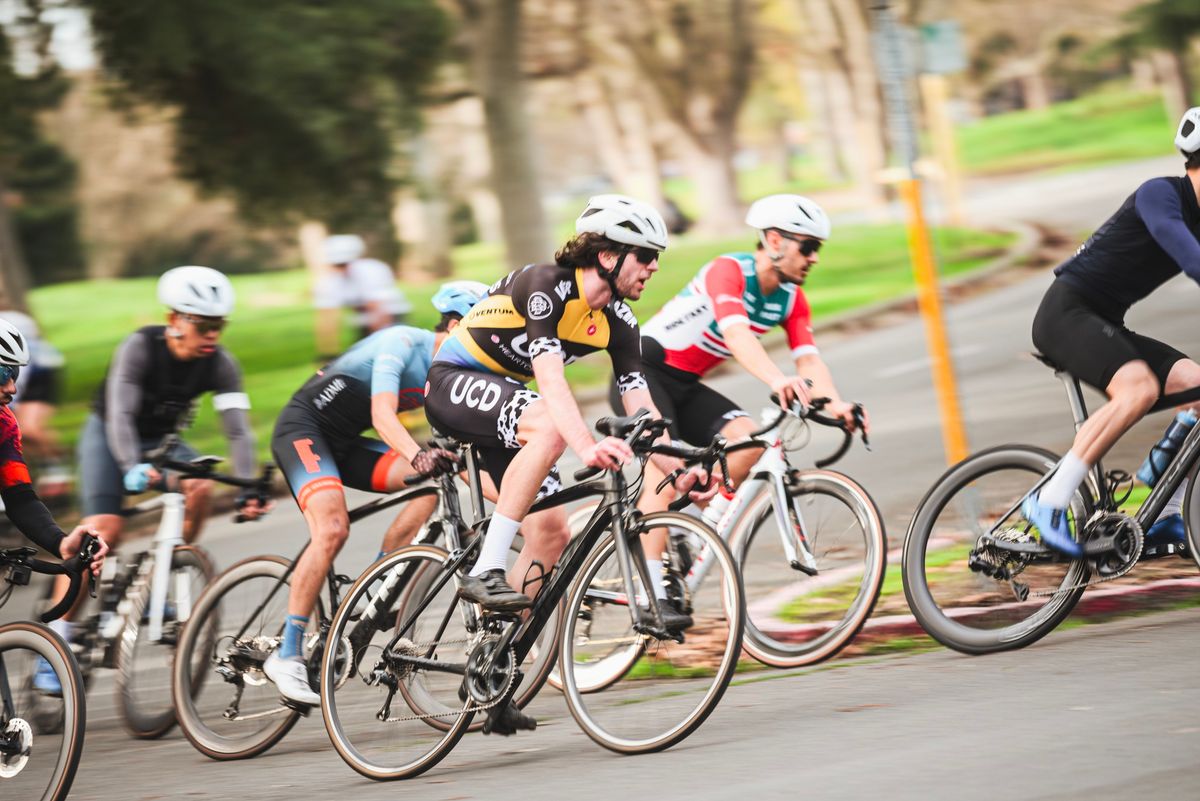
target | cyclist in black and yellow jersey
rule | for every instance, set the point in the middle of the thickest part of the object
(533, 322)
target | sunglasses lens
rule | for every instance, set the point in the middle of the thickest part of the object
(646, 255)
(8, 373)
(810, 246)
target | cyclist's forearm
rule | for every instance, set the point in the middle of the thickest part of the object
(389, 427)
(817, 372)
(239, 434)
(564, 411)
(31, 517)
(749, 352)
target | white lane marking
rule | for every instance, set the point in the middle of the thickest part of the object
(924, 362)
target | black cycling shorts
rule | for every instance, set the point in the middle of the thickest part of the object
(484, 409)
(1090, 346)
(697, 412)
(313, 459)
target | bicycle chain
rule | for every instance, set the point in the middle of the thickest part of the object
(473, 709)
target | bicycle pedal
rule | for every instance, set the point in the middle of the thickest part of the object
(296, 706)
(803, 568)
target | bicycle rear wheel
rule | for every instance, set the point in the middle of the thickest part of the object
(144, 667)
(37, 765)
(378, 708)
(794, 619)
(673, 687)
(228, 709)
(966, 609)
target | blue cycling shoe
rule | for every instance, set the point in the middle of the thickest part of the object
(1052, 526)
(1168, 530)
(45, 680)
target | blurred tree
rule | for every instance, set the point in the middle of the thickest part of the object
(39, 238)
(492, 33)
(289, 106)
(696, 58)
(1166, 29)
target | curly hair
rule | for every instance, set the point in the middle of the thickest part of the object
(584, 250)
(1193, 161)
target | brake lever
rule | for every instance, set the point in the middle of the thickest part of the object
(858, 422)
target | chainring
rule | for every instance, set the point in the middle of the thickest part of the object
(1128, 541)
(490, 674)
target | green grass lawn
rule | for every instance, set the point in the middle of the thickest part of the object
(271, 332)
(1111, 125)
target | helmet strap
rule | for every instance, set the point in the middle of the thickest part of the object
(611, 275)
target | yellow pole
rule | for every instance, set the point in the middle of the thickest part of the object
(954, 437)
(941, 130)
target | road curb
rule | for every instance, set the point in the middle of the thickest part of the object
(1095, 603)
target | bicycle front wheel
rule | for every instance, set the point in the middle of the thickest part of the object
(227, 707)
(380, 708)
(144, 666)
(673, 687)
(975, 598)
(793, 618)
(37, 765)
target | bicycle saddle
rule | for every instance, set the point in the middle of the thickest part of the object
(621, 426)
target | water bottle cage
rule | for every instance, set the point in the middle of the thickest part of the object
(1113, 480)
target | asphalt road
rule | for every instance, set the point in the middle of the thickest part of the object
(1099, 712)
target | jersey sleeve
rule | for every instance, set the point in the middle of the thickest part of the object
(536, 296)
(1158, 205)
(388, 365)
(233, 404)
(13, 470)
(625, 348)
(726, 287)
(123, 398)
(798, 325)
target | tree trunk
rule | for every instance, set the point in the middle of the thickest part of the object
(1174, 80)
(862, 81)
(496, 32)
(14, 273)
(825, 136)
(711, 168)
(421, 215)
(1035, 88)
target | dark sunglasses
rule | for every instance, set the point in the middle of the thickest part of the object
(645, 255)
(807, 246)
(9, 372)
(205, 325)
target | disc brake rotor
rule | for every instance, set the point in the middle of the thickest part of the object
(20, 733)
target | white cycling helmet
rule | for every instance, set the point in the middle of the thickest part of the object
(344, 248)
(14, 350)
(1187, 138)
(793, 214)
(625, 220)
(196, 290)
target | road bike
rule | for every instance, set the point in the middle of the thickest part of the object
(41, 736)
(810, 542)
(227, 707)
(976, 574)
(402, 700)
(146, 598)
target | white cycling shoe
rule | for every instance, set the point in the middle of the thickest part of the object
(291, 679)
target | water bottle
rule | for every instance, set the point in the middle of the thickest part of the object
(1162, 453)
(716, 508)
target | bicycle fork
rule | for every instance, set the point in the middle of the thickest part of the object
(169, 535)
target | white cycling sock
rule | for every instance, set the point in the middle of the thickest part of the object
(1058, 491)
(656, 571)
(1175, 505)
(63, 628)
(493, 555)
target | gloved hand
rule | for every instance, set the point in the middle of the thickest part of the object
(139, 477)
(434, 461)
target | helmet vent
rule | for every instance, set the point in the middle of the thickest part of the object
(1188, 127)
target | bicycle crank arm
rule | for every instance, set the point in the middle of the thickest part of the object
(805, 569)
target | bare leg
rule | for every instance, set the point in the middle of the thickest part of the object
(328, 526)
(546, 535)
(1132, 391)
(196, 503)
(408, 522)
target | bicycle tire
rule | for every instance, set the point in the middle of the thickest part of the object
(604, 673)
(141, 723)
(668, 685)
(40, 640)
(795, 646)
(1031, 463)
(343, 715)
(212, 743)
(1191, 514)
